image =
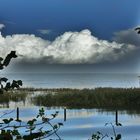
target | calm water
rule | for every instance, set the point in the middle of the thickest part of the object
(80, 124)
(76, 80)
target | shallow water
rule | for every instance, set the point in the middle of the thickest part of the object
(82, 123)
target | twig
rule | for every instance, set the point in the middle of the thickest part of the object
(54, 130)
(113, 130)
(46, 136)
(7, 113)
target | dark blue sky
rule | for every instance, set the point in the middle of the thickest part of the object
(103, 17)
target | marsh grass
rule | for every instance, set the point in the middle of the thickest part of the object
(115, 98)
(91, 98)
(15, 96)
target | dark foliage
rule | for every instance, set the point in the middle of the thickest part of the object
(5, 85)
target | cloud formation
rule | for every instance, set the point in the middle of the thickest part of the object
(129, 36)
(69, 48)
(2, 26)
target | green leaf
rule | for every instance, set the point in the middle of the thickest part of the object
(119, 124)
(34, 120)
(3, 79)
(8, 58)
(57, 112)
(14, 84)
(37, 116)
(15, 132)
(9, 131)
(6, 121)
(11, 119)
(54, 115)
(47, 132)
(60, 124)
(55, 126)
(41, 112)
(19, 82)
(8, 86)
(31, 122)
(45, 119)
(98, 132)
(33, 128)
(1, 59)
(1, 67)
(3, 132)
(118, 137)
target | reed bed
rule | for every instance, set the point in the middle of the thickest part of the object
(91, 98)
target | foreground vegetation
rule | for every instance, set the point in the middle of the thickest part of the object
(10, 127)
(91, 98)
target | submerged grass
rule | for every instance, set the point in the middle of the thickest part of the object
(91, 98)
(15, 96)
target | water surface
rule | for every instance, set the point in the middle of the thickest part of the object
(76, 80)
(82, 123)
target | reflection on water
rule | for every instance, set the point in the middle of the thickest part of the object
(81, 123)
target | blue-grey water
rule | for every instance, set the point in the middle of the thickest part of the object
(76, 80)
(82, 123)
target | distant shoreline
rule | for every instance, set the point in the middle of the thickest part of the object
(67, 88)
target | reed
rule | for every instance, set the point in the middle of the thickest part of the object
(91, 98)
(15, 95)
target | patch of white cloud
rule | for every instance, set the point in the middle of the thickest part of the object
(45, 31)
(26, 46)
(2, 26)
(69, 48)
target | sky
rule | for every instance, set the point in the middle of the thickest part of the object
(71, 36)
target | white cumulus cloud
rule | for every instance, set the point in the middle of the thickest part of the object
(69, 48)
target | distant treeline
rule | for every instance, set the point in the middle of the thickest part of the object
(91, 98)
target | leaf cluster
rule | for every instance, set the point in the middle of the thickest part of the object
(5, 85)
(11, 128)
(5, 62)
(99, 136)
(33, 128)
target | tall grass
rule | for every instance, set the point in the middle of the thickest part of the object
(91, 98)
(15, 96)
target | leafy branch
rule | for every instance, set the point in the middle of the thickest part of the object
(99, 136)
(4, 84)
(11, 128)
